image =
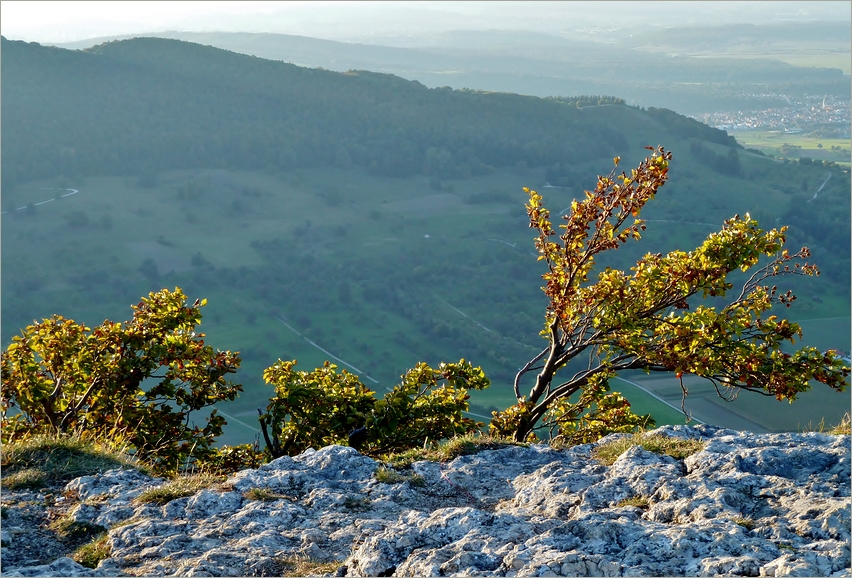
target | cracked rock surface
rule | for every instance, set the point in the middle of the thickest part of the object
(746, 505)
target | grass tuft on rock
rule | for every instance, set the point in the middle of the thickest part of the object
(178, 488)
(69, 530)
(263, 495)
(91, 554)
(449, 450)
(844, 427)
(663, 445)
(48, 460)
(303, 566)
(391, 476)
(634, 502)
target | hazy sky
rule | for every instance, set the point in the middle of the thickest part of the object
(65, 21)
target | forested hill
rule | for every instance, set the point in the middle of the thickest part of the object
(148, 104)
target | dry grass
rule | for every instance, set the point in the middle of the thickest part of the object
(449, 450)
(842, 428)
(674, 447)
(391, 476)
(126, 522)
(746, 523)
(635, 502)
(49, 460)
(302, 566)
(178, 488)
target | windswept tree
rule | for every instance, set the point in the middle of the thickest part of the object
(643, 320)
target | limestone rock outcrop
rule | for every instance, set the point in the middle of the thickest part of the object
(744, 505)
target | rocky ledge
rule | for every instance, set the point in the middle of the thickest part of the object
(744, 505)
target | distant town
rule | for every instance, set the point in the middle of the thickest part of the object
(828, 114)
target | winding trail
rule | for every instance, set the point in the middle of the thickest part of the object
(24, 208)
(242, 423)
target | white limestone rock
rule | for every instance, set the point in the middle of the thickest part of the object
(747, 504)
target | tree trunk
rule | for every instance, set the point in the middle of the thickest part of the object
(522, 431)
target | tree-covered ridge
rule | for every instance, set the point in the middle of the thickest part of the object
(147, 105)
(692, 70)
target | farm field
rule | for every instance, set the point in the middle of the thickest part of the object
(772, 142)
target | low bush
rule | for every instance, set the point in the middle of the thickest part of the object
(60, 377)
(324, 407)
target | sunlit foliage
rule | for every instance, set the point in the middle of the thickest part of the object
(134, 384)
(322, 407)
(643, 320)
